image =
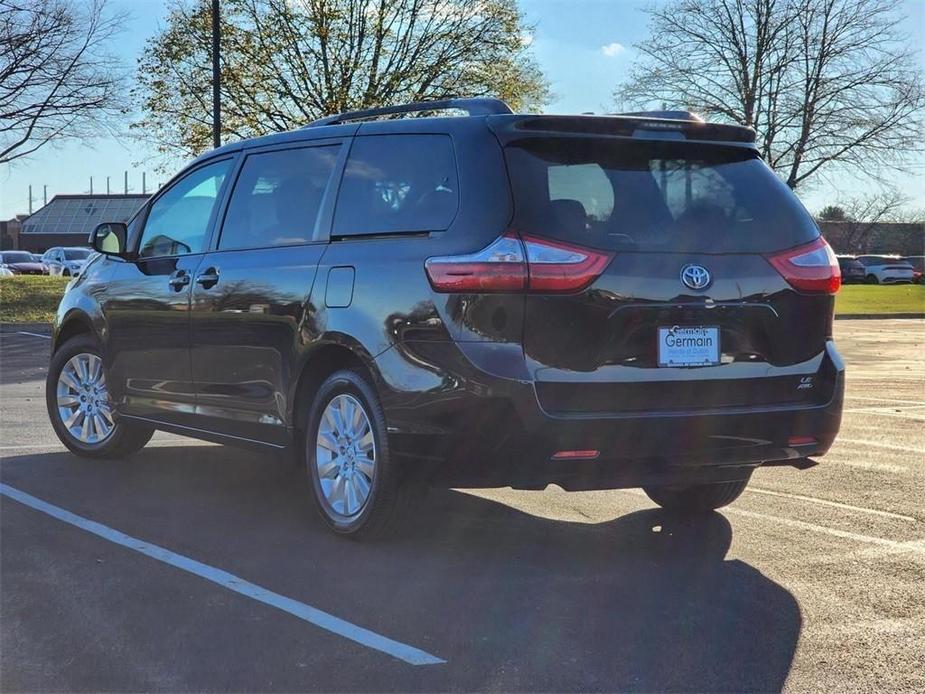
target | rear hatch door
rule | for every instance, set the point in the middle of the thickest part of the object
(693, 310)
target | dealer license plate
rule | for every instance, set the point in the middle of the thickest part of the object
(688, 345)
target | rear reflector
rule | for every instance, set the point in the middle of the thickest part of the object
(809, 268)
(510, 264)
(801, 440)
(574, 455)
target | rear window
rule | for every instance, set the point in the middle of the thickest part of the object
(397, 183)
(653, 196)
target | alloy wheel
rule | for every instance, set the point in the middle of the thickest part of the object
(83, 401)
(345, 456)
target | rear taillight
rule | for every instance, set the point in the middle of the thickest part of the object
(809, 268)
(500, 267)
(554, 266)
(512, 264)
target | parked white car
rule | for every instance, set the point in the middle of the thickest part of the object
(5, 273)
(66, 261)
(885, 269)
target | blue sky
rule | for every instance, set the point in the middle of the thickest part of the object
(584, 47)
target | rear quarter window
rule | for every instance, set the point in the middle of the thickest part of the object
(653, 196)
(397, 183)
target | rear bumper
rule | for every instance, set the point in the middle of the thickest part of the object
(492, 431)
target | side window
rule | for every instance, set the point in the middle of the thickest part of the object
(397, 183)
(277, 198)
(179, 219)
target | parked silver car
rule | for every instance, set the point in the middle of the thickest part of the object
(66, 261)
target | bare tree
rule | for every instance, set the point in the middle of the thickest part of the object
(862, 214)
(57, 79)
(287, 62)
(823, 82)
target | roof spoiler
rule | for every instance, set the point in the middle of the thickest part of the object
(480, 106)
(646, 125)
(670, 115)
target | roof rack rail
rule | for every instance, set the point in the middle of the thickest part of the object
(670, 115)
(479, 106)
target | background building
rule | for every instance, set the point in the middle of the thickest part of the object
(9, 232)
(67, 220)
(857, 238)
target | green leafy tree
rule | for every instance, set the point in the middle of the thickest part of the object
(833, 213)
(287, 62)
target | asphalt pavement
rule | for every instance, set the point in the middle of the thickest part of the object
(198, 567)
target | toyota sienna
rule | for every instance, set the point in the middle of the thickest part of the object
(487, 299)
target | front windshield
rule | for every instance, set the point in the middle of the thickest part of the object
(76, 254)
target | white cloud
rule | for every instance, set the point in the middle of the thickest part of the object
(614, 49)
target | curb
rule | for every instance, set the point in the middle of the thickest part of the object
(875, 316)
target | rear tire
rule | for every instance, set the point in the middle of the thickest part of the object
(355, 484)
(697, 498)
(105, 435)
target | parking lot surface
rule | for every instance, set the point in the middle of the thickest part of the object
(195, 566)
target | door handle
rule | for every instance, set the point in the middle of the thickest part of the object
(178, 280)
(208, 278)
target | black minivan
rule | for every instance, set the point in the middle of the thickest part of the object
(475, 300)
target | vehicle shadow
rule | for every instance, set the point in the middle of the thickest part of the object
(513, 601)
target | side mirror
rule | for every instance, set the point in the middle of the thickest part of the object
(110, 238)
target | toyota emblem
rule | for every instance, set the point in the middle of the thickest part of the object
(695, 276)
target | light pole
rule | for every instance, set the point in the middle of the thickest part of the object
(216, 78)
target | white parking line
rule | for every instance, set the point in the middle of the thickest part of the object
(23, 332)
(914, 546)
(878, 444)
(836, 504)
(894, 401)
(313, 615)
(895, 415)
(867, 465)
(886, 409)
(885, 378)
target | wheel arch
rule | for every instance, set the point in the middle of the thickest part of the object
(74, 323)
(333, 353)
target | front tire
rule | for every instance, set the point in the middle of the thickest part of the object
(697, 498)
(80, 408)
(355, 484)
(872, 279)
